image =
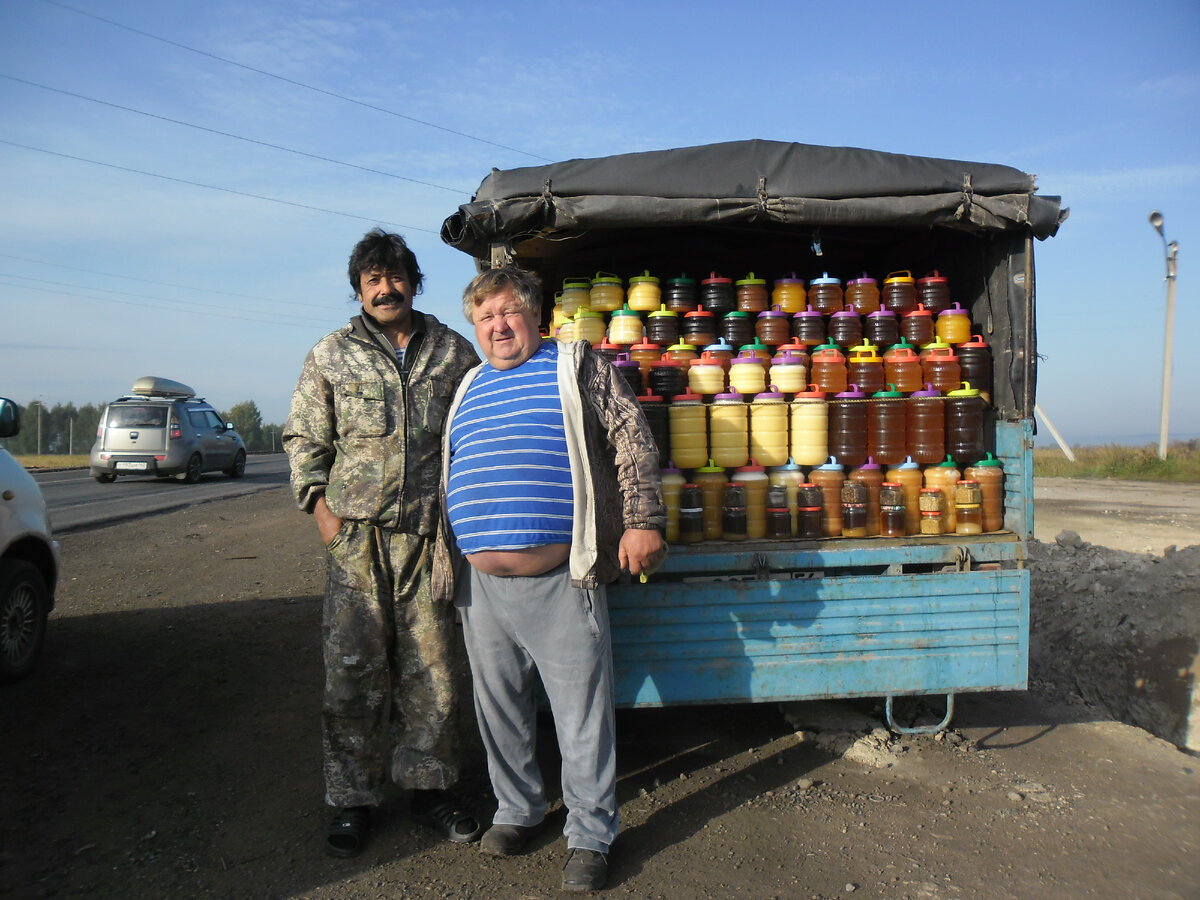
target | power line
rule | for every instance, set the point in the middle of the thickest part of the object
(292, 81)
(213, 187)
(236, 137)
(180, 303)
(186, 287)
(273, 322)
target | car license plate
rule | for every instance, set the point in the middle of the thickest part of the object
(138, 466)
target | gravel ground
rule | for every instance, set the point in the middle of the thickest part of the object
(168, 747)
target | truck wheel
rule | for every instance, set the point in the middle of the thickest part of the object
(195, 466)
(24, 604)
(105, 477)
(238, 469)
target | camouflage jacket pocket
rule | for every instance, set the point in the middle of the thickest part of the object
(361, 408)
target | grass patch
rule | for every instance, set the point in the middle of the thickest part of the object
(1126, 463)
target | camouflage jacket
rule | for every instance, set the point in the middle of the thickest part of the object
(365, 433)
(614, 470)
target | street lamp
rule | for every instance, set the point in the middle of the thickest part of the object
(1170, 253)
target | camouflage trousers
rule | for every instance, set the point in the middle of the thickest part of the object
(390, 702)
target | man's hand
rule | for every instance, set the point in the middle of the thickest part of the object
(327, 522)
(641, 550)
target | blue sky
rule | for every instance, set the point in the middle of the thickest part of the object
(107, 274)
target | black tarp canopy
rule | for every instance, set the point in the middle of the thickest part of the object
(751, 183)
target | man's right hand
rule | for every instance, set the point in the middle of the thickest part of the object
(328, 524)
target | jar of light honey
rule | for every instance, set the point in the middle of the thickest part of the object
(644, 294)
(576, 294)
(625, 327)
(607, 293)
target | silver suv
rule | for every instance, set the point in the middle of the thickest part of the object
(28, 559)
(162, 428)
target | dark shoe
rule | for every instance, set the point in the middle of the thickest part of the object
(349, 832)
(435, 809)
(507, 840)
(586, 870)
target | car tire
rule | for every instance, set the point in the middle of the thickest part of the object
(24, 605)
(105, 478)
(238, 469)
(195, 466)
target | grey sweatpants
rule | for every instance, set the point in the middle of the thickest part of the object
(517, 628)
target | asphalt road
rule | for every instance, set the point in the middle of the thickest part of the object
(77, 501)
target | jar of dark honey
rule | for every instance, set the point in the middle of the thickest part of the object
(699, 328)
(808, 327)
(662, 326)
(862, 295)
(825, 294)
(737, 327)
(716, 295)
(899, 292)
(752, 294)
(881, 328)
(845, 328)
(933, 292)
(679, 294)
(773, 327)
(917, 326)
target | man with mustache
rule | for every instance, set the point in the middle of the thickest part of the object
(364, 442)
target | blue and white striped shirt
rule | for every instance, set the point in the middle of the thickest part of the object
(510, 476)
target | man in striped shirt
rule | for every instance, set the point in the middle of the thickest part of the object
(545, 519)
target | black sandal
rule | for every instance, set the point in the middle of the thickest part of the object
(450, 822)
(348, 832)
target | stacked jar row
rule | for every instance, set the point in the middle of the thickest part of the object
(812, 428)
(754, 502)
(792, 370)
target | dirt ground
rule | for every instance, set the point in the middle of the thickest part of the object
(168, 746)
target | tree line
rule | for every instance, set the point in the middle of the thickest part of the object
(65, 428)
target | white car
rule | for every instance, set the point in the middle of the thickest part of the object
(28, 560)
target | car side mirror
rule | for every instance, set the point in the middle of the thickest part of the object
(10, 418)
(229, 426)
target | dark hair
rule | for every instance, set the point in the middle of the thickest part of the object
(526, 288)
(387, 252)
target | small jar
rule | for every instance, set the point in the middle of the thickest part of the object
(607, 293)
(810, 510)
(722, 350)
(576, 294)
(953, 325)
(916, 326)
(706, 375)
(899, 292)
(854, 520)
(645, 354)
(825, 294)
(644, 294)
(845, 329)
(789, 294)
(733, 513)
(892, 521)
(881, 328)
(773, 327)
(752, 294)
(680, 295)
(625, 327)
(716, 295)
(699, 328)
(667, 378)
(862, 295)
(588, 326)
(682, 353)
(630, 371)
(933, 510)
(968, 518)
(662, 327)
(808, 327)
(933, 292)
(746, 373)
(606, 348)
(691, 514)
(737, 327)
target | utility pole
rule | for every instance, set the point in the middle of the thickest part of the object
(1171, 253)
